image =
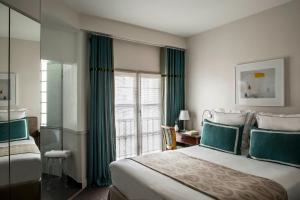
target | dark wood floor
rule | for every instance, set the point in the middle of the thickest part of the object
(93, 193)
(54, 188)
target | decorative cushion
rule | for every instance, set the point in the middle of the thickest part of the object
(275, 146)
(222, 137)
(18, 130)
(278, 122)
(14, 114)
(230, 118)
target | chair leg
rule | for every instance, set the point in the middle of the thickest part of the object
(48, 166)
(64, 177)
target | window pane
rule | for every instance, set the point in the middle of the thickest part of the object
(125, 114)
(44, 119)
(43, 86)
(44, 97)
(150, 98)
(43, 107)
(43, 75)
(44, 64)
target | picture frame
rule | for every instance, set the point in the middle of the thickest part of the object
(4, 89)
(260, 83)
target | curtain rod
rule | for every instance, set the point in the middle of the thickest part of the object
(130, 40)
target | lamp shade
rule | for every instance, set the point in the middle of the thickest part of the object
(184, 115)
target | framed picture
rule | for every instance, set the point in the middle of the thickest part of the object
(260, 83)
(4, 89)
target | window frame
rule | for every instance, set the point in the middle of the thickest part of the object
(138, 75)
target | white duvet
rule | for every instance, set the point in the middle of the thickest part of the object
(24, 167)
(138, 182)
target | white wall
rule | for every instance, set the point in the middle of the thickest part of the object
(25, 62)
(58, 44)
(137, 57)
(213, 55)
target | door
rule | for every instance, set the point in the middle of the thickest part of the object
(137, 113)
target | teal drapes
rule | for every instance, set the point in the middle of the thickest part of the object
(101, 136)
(172, 70)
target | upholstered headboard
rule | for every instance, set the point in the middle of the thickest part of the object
(32, 125)
(34, 129)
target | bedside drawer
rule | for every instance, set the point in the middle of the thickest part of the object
(186, 139)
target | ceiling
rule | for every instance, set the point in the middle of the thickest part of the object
(178, 17)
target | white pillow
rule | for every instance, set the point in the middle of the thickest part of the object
(14, 114)
(278, 122)
(229, 118)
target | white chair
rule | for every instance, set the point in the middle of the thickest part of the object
(59, 155)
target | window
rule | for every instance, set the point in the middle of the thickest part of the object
(44, 64)
(137, 113)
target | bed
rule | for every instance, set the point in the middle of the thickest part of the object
(25, 165)
(132, 180)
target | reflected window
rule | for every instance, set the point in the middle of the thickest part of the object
(44, 64)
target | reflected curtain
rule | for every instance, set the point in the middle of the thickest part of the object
(101, 136)
(172, 70)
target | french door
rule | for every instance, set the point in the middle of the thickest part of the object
(137, 113)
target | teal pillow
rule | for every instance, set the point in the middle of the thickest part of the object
(18, 130)
(275, 146)
(222, 137)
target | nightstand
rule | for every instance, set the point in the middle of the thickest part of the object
(187, 140)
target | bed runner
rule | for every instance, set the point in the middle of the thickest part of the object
(214, 180)
(19, 149)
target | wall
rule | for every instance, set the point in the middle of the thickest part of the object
(212, 56)
(137, 57)
(58, 44)
(25, 62)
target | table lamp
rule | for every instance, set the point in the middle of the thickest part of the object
(184, 116)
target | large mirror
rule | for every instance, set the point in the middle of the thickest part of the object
(60, 141)
(24, 107)
(4, 134)
(40, 145)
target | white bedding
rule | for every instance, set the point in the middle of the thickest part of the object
(24, 167)
(139, 182)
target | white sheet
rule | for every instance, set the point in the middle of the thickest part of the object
(24, 167)
(139, 182)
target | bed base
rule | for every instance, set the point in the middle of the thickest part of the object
(29, 190)
(115, 194)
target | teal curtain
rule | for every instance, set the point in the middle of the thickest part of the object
(172, 69)
(101, 136)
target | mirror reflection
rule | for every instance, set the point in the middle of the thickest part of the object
(4, 134)
(25, 157)
(59, 139)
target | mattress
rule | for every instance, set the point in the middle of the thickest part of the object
(136, 181)
(24, 167)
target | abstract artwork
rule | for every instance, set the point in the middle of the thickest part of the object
(4, 90)
(260, 83)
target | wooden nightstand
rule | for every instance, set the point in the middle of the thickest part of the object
(187, 140)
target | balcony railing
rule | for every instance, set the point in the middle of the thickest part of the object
(126, 137)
